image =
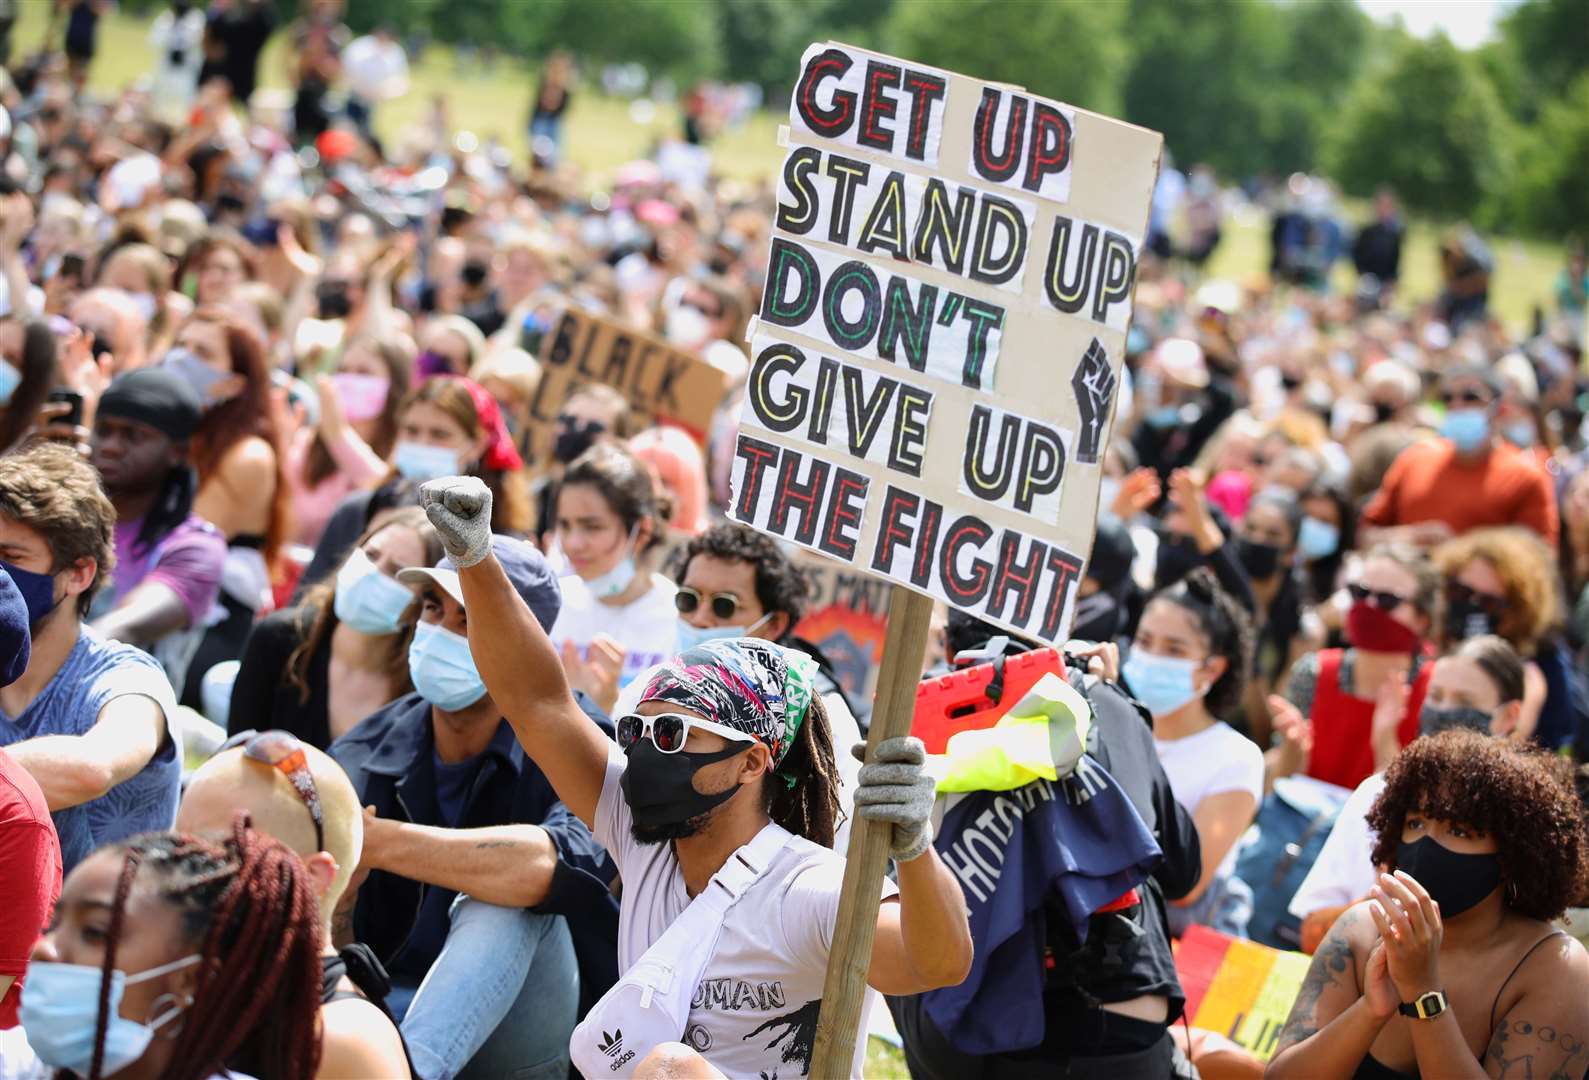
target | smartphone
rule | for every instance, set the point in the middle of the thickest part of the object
(73, 266)
(74, 415)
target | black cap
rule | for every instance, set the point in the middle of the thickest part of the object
(156, 397)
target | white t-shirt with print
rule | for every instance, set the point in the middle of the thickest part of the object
(1213, 761)
(647, 627)
(754, 1012)
(1344, 871)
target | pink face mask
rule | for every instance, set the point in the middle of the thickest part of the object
(362, 396)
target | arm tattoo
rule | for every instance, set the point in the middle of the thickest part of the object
(1523, 1050)
(1332, 964)
(342, 926)
(1303, 683)
(488, 844)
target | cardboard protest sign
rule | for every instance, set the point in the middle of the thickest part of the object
(934, 365)
(1240, 989)
(660, 382)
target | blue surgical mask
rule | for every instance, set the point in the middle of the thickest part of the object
(368, 600)
(38, 591)
(420, 462)
(60, 1015)
(1519, 433)
(442, 668)
(1318, 539)
(1164, 417)
(690, 636)
(616, 580)
(10, 379)
(1162, 683)
(186, 365)
(1468, 429)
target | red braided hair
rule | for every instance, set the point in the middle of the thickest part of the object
(250, 902)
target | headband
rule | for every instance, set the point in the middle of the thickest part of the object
(749, 684)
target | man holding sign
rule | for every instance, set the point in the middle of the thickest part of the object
(719, 812)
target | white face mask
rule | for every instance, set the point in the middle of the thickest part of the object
(687, 327)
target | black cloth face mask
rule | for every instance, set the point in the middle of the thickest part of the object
(1432, 721)
(658, 788)
(574, 437)
(1453, 880)
(1259, 560)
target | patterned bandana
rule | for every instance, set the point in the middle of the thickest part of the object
(749, 684)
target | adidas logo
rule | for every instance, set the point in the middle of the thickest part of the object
(611, 1044)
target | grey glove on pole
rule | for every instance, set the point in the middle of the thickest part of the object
(460, 508)
(893, 788)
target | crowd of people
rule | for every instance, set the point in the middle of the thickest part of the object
(359, 719)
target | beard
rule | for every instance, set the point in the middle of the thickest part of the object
(661, 834)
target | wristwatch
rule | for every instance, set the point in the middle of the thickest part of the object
(1424, 1006)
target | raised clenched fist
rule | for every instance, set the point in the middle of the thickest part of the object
(460, 508)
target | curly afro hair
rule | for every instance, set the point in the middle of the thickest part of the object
(780, 584)
(1523, 797)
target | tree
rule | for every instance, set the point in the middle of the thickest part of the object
(1207, 76)
(1071, 50)
(1430, 125)
(1549, 196)
(1551, 40)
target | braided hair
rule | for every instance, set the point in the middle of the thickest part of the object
(248, 904)
(1224, 621)
(803, 794)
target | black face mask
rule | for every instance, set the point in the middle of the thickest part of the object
(1384, 412)
(1432, 721)
(1178, 557)
(1454, 881)
(1290, 383)
(1259, 560)
(1465, 619)
(474, 274)
(332, 300)
(1099, 617)
(658, 789)
(574, 437)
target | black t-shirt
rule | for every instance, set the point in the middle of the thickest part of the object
(261, 697)
(1127, 955)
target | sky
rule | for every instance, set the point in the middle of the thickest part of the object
(1467, 23)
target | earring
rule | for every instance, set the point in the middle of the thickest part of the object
(179, 1006)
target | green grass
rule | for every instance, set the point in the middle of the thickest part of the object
(602, 133)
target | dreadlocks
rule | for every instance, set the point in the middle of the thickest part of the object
(250, 903)
(810, 806)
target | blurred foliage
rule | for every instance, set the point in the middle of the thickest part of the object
(1252, 87)
(1073, 50)
(1431, 125)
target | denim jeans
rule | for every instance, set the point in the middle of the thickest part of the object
(500, 1001)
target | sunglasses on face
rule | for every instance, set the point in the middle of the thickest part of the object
(723, 605)
(1385, 601)
(1453, 399)
(668, 731)
(1489, 603)
(284, 753)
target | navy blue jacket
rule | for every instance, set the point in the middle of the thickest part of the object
(390, 757)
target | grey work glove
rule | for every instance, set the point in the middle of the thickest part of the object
(460, 508)
(893, 788)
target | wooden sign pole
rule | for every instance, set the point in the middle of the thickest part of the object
(838, 1024)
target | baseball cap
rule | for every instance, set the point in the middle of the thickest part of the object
(527, 572)
(1181, 360)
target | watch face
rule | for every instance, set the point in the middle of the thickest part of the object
(1431, 1004)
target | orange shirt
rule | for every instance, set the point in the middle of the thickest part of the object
(1427, 482)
